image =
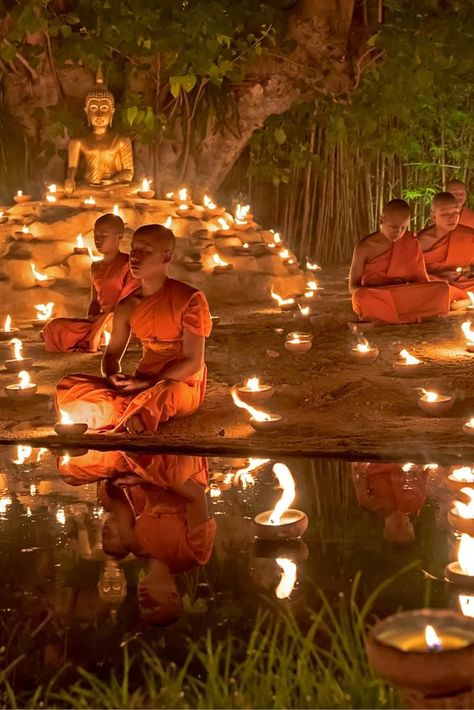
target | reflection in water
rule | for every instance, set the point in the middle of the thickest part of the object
(287, 579)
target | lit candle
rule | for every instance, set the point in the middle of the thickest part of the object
(21, 197)
(468, 427)
(219, 265)
(459, 478)
(19, 362)
(242, 217)
(407, 364)
(80, 247)
(116, 210)
(254, 392)
(7, 332)
(94, 257)
(44, 312)
(23, 453)
(364, 351)
(471, 298)
(433, 403)
(145, 192)
(469, 335)
(461, 515)
(168, 223)
(298, 343)
(23, 233)
(461, 571)
(283, 522)
(288, 578)
(23, 389)
(285, 304)
(312, 267)
(42, 279)
(89, 201)
(3, 217)
(259, 420)
(66, 426)
(52, 194)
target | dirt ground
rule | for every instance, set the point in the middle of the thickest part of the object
(331, 404)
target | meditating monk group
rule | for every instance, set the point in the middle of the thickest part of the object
(397, 276)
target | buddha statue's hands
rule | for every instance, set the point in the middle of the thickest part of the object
(122, 176)
(69, 185)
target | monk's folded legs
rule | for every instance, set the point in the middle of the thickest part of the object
(408, 303)
(158, 404)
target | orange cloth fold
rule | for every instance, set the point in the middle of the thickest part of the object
(159, 322)
(467, 218)
(112, 283)
(383, 298)
(453, 250)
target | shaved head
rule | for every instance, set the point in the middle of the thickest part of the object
(159, 236)
(396, 207)
(395, 219)
(111, 222)
(443, 199)
(455, 183)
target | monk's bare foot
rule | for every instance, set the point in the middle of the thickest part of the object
(134, 425)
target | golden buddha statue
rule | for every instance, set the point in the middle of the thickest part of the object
(108, 157)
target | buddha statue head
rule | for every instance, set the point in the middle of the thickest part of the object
(99, 105)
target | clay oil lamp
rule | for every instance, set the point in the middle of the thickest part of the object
(44, 312)
(19, 362)
(210, 208)
(223, 227)
(80, 247)
(461, 477)
(220, 266)
(66, 427)
(434, 404)
(312, 267)
(21, 197)
(427, 654)
(23, 389)
(461, 571)
(53, 195)
(3, 217)
(243, 250)
(284, 304)
(243, 218)
(23, 453)
(471, 299)
(469, 335)
(89, 203)
(285, 256)
(23, 233)
(259, 420)
(298, 342)
(461, 515)
(407, 364)
(468, 427)
(42, 280)
(254, 392)
(7, 332)
(116, 210)
(304, 311)
(364, 351)
(144, 192)
(283, 522)
(312, 292)
(168, 223)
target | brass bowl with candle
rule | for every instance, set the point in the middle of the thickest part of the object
(463, 525)
(442, 405)
(17, 365)
(292, 526)
(266, 425)
(15, 392)
(255, 396)
(146, 194)
(21, 198)
(397, 650)
(75, 429)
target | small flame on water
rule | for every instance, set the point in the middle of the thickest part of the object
(281, 301)
(61, 516)
(22, 454)
(287, 579)
(287, 483)
(256, 414)
(409, 359)
(465, 510)
(17, 347)
(432, 639)
(44, 311)
(244, 475)
(42, 452)
(467, 331)
(209, 203)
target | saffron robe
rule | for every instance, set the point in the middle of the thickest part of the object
(112, 283)
(467, 218)
(451, 251)
(158, 322)
(384, 488)
(382, 299)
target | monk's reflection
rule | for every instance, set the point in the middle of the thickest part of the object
(155, 509)
(395, 492)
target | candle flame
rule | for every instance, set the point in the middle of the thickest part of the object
(428, 396)
(276, 237)
(287, 579)
(107, 337)
(89, 200)
(24, 379)
(183, 207)
(464, 474)
(242, 213)
(466, 554)
(253, 384)
(44, 311)
(145, 185)
(284, 254)
(115, 210)
(308, 294)
(25, 229)
(287, 483)
(38, 276)
(470, 423)
(407, 467)
(471, 297)
(244, 476)
(218, 261)
(304, 310)
(42, 452)
(459, 270)
(467, 331)
(312, 285)
(465, 510)
(52, 188)
(281, 301)
(223, 224)
(65, 418)
(183, 194)
(169, 195)
(312, 267)
(466, 603)
(92, 256)
(80, 241)
(432, 639)
(19, 193)
(209, 203)
(22, 454)
(17, 347)
(257, 414)
(64, 460)
(409, 359)
(61, 516)
(5, 501)
(8, 324)
(363, 346)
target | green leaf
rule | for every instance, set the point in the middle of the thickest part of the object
(189, 82)
(280, 136)
(131, 114)
(175, 85)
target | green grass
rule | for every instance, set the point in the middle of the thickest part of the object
(278, 666)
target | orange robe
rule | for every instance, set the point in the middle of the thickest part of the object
(112, 282)
(451, 251)
(382, 299)
(467, 218)
(159, 322)
(384, 488)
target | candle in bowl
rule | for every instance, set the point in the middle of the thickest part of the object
(66, 427)
(461, 571)
(259, 420)
(3, 217)
(23, 389)
(220, 266)
(469, 335)
(434, 404)
(285, 304)
(243, 217)
(53, 194)
(89, 202)
(311, 266)
(298, 343)
(243, 250)
(471, 299)
(283, 522)
(19, 362)
(21, 197)
(144, 192)
(42, 280)
(44, 312)
(211, 209)
(461, 515)
(7, 332)
(254, 392)
(468, 427)
(80, 247)
(408, 364)
(460, 477)
(425, 653)
(364, 351)
(23, 233)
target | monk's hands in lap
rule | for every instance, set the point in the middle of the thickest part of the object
(129, 384)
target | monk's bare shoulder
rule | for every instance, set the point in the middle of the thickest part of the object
(127, 305)
(427, 232)
(366, 244)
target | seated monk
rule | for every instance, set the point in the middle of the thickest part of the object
(388, 279)
(172, 320)
(449, 247)
(111, 281)
(458, 189)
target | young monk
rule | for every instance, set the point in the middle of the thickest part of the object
(111, 281)
(449, 247)
(459, 190)
(172, 320)
(388, 279)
